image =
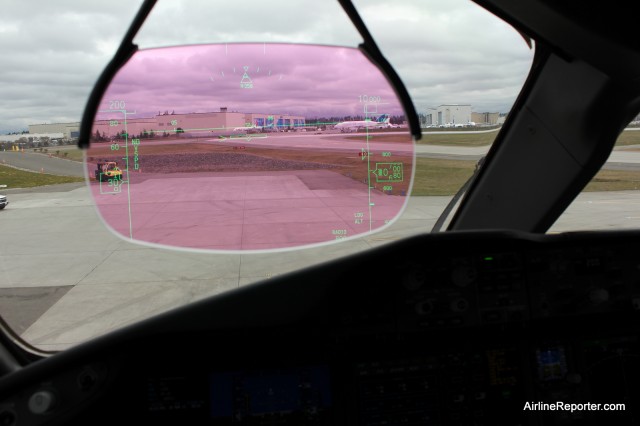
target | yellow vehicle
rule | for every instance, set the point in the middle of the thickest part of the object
(108, 170)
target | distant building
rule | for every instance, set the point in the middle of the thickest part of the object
(191, 124)
(448, 115)
(486, 118)
(30, 137)
(431, 117)
(68, 130)
(196, 124)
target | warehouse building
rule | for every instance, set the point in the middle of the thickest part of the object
(454, 115)
(485, 118)
(192, 124)
(448, 115)
(196, 124)
(68, 130)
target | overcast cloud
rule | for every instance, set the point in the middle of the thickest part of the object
(445, 51)
(301, 80)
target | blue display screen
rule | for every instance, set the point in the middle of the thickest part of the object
(301, 393)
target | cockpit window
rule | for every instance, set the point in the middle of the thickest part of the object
(65, 278)
(610, 200)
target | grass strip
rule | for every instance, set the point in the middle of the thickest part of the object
(458, 139)
(440, 177)
(15, 178)
(628, 137)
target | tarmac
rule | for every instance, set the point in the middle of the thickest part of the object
(76, 280)
(65, 278)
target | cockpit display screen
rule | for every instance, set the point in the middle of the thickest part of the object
(300, 395)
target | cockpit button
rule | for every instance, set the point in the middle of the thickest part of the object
(42, 402)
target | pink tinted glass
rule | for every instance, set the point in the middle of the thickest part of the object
(249, 147)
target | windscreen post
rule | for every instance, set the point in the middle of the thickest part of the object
(126, 49)
(373, 53)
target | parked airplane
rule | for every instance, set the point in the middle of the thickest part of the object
(353, 126)
(248, 129)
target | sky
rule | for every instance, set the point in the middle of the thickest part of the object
(269, 78)
(444, 51)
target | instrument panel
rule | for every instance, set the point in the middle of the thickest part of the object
(445, 329)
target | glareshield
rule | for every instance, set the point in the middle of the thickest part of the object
(249, 147)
